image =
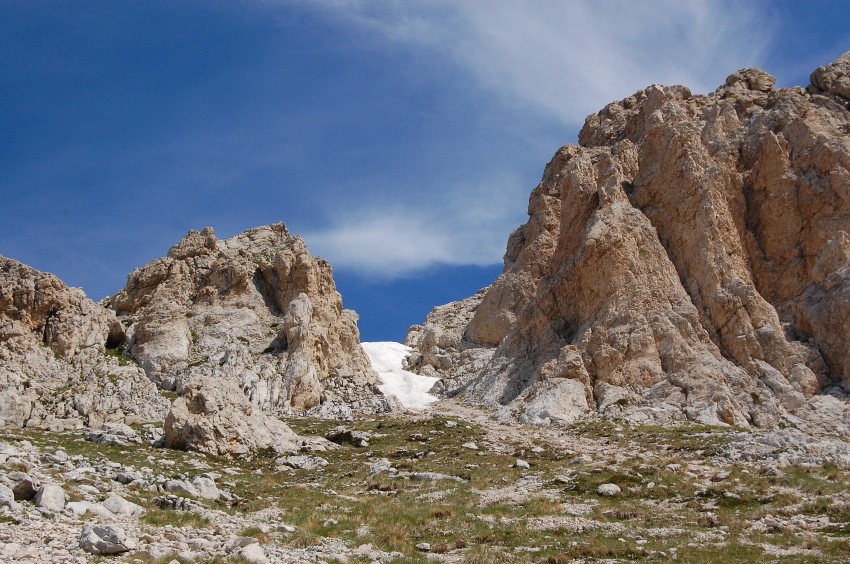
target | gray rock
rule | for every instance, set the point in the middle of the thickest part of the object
(341, 435)
(7, 498)
(120, 506)
(125, 477)
(608, 490)
(105, 539)
(117, 434)
(80, 508)
(181, 487)
(50, 497)
(254, 553)
(206, 488)
(302, 462)
(375, 468)
(521, 464)
(213, 416)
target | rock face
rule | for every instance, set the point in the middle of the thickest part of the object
(58, 366)
(689, 259)
(256, 309)
(213, 416)
(443, 348)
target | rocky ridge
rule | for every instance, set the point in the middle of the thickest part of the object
(690, 259)
(59, 362)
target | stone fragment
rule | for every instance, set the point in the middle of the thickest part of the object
(302, 462)
(344, 435)
(206, 488)
(378, 467)
(80, 508)
(115, 434)
(7, 498)
(254, 553)
(105, 540)
(608, 490)
(120, 506)
(50, 497)
(25, 489)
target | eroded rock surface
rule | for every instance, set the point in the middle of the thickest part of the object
(58, 363)
(256, 309)
(213, 416)
(445, 348)
(689, 259)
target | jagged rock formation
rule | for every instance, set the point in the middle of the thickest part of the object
(690, 258)
(257, 309)
(442, 349)
(58, 363)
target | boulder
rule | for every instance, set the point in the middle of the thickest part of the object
(116, 434)
(50, 497)
(25, 489)
(213, 416)
(105, 540)
(608, 490)
(120, 506)
(7, 498)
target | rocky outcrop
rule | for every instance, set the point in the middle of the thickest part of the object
(256, 309)
(689, 259)
(443, 349)
(59, 367)
(213, 416)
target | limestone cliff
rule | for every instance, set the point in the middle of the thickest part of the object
(256, 309)
(689, 259)
(59, 365)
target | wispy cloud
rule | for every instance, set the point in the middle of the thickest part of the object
(544, 59)
(570, 58)
(466, 225)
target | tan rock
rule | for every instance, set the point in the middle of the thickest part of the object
(58, 364)
(256, 309)
(443, 348)
(690, 259)
(213, 416)
(833, 79)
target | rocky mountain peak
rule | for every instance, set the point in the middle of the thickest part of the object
(255, 308)
(687, 260)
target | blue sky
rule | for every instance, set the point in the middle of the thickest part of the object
(401, 139)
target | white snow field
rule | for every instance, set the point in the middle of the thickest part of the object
(410, 389)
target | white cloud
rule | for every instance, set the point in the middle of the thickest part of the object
(467, 225)
(561, 59)
(569, 58)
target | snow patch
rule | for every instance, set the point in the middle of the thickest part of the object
(410, 389)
